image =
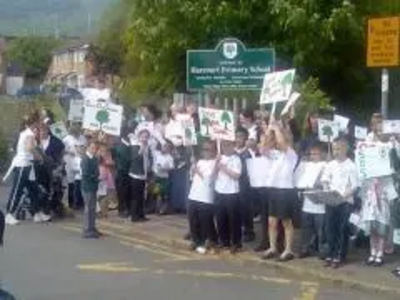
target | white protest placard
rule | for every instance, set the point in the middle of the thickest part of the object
(327, 130)
(373, 160)
(217, 124)
(188, 133)
(258, 170)
(360, 133)
(59, 130)
(307, 174)
(101, 116)
(75, 113)
(277, 86)
(342, 121)
(292, 100)
(391, 127)
(396, 237)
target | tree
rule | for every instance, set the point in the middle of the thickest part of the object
(226, 119)
(327, 131)
(206, 122)
(33, 54)
(103, 117)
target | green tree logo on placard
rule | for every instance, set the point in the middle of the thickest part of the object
(287, 81)
(226, 119)
(102, 117)
(327, 131)
(188, 134)
(206, 122)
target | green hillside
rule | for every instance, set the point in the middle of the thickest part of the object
(71, 17)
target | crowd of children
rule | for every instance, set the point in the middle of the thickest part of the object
(223, 195)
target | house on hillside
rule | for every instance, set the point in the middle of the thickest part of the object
(69, 66)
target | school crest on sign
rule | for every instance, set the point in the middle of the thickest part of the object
(230, 50)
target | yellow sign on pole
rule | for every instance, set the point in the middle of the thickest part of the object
(383, 42)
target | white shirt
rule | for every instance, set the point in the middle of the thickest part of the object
(161, 162)
(45, 143)
(76, 167)
(225, 184)
(283, 164)
(23, 157)
(173, 132)
(341, 177)
(201, 189)
(252, 130)
(71, 143)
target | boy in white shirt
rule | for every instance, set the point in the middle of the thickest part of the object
(227, 200)
(201, 201)
(340, 175)
(313, 215)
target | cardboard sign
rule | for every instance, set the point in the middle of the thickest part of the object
(360, 133)
(277, 86)
(75, 113)
(292, 100)
(59, 130)
(396, 237)
(217, 124)
(327, 130)
(391, 127)
(189, 136)
(342, 121)
(307, 174)
(373, 160)
(101, 116)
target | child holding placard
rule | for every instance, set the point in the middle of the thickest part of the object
(341, 176)
(313, 214)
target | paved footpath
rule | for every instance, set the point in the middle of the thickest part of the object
(150, 261)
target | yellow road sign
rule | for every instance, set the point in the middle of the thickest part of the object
(383, 42)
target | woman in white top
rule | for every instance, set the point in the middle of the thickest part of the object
(22, 168)
(282, 196)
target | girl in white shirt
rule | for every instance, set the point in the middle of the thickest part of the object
(281, 194)
(201, 201)
(227, 200)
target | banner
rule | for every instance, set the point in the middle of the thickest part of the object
(188, 133)
(391, 127)
(360, 133)
(373, 160)
(59, 130)
(277, 86)
(101, 116)
(327, 130)
(217, 124)
(75, 113)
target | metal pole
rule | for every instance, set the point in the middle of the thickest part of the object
(385, 93)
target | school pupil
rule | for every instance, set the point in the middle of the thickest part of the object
(246, 195)
(163, 163)
(89, 186)
(227, 198)
(313, 239)
(281, 194)
(106, 189)
(138, 173)
(340, 175)
(201, 201)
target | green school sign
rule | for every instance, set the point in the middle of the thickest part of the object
(230, 66)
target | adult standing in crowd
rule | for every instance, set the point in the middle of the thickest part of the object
(22, 169)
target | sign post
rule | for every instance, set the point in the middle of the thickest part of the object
(384, 51)
(230, 66)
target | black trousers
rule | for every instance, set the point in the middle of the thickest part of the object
(20, 183)
(337, 223)
(246, 208)
(201, 223)
(313, 238)
(75, 198)
(123, 188)
(228, 219)
(137, 203)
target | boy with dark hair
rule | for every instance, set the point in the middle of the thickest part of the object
(245, 193)
(89, 186)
